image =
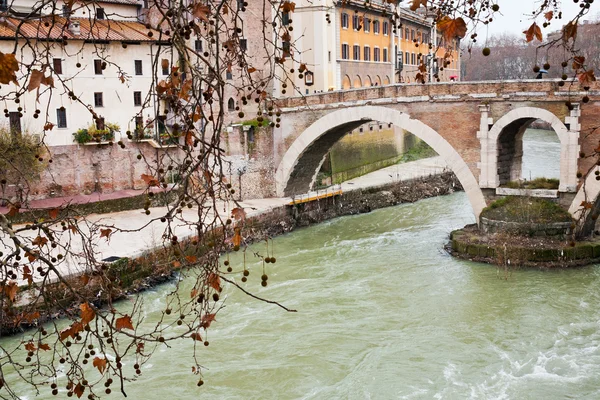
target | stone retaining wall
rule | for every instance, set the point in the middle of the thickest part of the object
(552, 229)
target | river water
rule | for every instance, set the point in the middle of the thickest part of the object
(385, 313)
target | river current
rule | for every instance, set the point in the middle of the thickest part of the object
(385, 313)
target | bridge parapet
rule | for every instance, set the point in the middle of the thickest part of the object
(481, 91)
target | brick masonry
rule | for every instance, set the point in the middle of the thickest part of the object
(454, 112)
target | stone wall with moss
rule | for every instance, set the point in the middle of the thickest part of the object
(368, 148)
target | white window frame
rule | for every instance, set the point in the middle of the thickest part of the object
(355, 52)
(345, 18)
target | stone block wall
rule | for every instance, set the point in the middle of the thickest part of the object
(84, 169)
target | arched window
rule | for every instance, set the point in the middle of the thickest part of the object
(346, 83)
(231, 104)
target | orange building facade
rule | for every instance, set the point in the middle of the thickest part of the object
(351, 44)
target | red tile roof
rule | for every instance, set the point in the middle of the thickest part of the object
(56, 28)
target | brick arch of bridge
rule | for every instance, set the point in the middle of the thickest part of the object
(501, 149)
(300, 164)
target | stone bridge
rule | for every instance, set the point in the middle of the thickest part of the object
(476, 127)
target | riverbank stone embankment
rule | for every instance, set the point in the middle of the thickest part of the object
(132, 275)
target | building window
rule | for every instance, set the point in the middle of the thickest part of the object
(228, 75)
(344, 21)
(367, 23)
(355, 22)
(100, 13)
(137, 98)
(287, 48)
(425, 38)
(285, 18)
(100, 125)
(376, 27)
(412, 35)
(138, 67)
(413, 59)
(98, 67)
(386, 28)
(61, 117)
(98, 100)
(198, 45)
(240, 5)
(66, 10)
(329, 56)
(231, 104)
(407, 61)
(243, 44)
(14, 119)
(399, 61)
(165, 66)
(376, 54)
(139, 126)
(367, 55)
(162, 128)
(356, 52)
(57, 66)
(345, 52)
(406, 34)
(385, 55)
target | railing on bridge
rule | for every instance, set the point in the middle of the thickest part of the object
(331, 191)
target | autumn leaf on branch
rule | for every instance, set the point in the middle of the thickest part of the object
(214, 281)
(452, 28)
(8, 67)
(196, 336)
(150, 180)
(570, 31)
(238, 213)
(100, 363)
(38, 78)
(105, 233)
(44, 346)
(207, 319)
(39, 241)
(549, 15)
(124, 323)
(191, 259)
(87, 313)
(416, 4)
(53, 214)
(586, 204)
(11, 290)
(78, 390)
(534, 31)
(201, 11)
(586, 77)
(237, 237)
(578, 62)
(288, 6)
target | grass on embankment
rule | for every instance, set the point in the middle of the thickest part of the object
(525, 209)
(537, 183)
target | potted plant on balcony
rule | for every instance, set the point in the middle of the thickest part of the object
(93, 135)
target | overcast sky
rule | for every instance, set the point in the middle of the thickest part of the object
(514, 19)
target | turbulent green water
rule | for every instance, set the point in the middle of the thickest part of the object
(385, 313)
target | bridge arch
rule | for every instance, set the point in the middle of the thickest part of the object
(514, 123)
(299, 166)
